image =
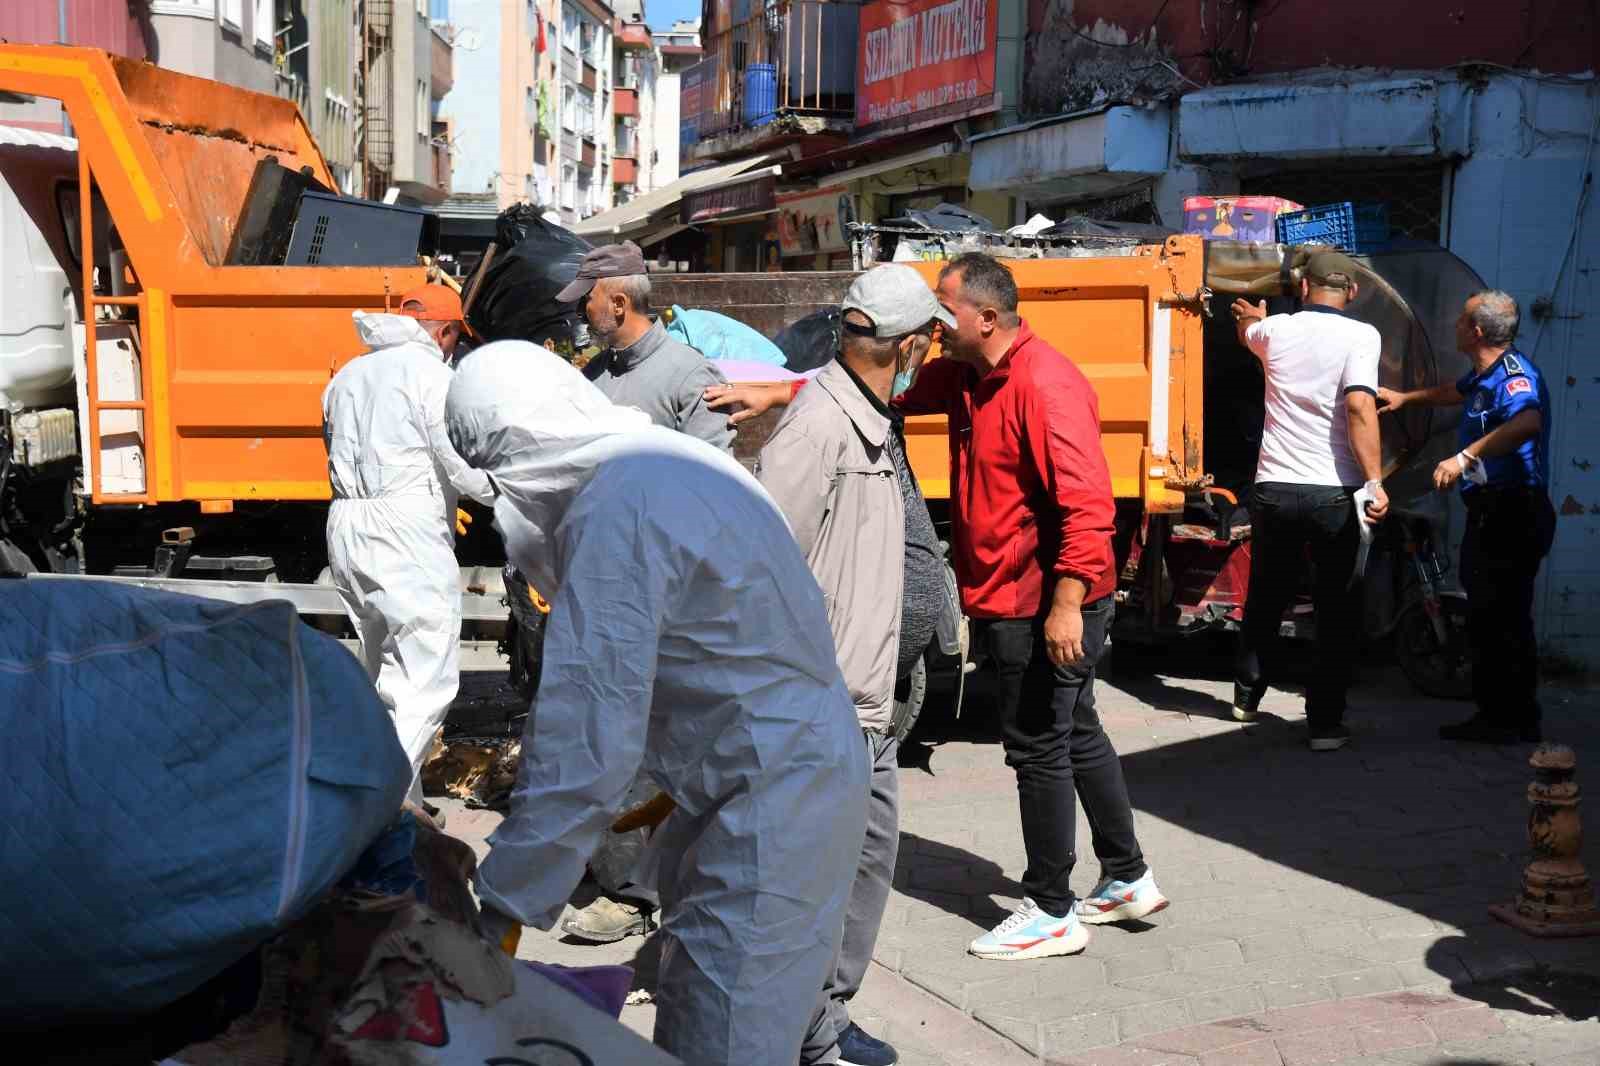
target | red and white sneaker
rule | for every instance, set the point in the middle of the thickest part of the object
(1030, 933)
(1122, 901)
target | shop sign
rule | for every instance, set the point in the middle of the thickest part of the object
(747, 197)
(925, 61)
(697, 92)
(812, 222)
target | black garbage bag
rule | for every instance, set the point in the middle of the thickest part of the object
(810, 342)
(511, 227)
(517, 300)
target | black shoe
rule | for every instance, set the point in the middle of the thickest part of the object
(1246, 701)
(1480, 730)
(1327, 737)
(856, 1048)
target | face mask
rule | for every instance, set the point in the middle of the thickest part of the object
(902, 382)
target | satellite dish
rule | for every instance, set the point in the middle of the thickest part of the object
(469, 40)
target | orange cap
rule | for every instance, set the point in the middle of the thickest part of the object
(439, 304)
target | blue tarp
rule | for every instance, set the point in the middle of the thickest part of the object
(184, 778)
(720, 337)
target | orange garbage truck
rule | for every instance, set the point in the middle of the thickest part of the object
(167, 331)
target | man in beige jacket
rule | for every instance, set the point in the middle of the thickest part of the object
(836, 464)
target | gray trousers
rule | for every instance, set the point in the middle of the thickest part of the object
(869, 895)
(615, 862)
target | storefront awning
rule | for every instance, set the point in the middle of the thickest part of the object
(1313, 117)
(1072, 155)
(659, 206)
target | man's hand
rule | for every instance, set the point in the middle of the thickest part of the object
(463, 520)
(1063, 635)
(1378, 506)
(753, 399)
(1245, 312)
(1389, 400)
(1446, 474)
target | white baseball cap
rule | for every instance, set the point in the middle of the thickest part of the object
(895, 300)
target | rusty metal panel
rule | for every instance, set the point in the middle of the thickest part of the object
(207, 139)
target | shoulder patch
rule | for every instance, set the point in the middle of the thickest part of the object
(1514, 365)
(1518, 384)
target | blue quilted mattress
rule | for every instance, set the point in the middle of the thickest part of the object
(183, 778)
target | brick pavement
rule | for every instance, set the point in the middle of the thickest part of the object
(1327, 907)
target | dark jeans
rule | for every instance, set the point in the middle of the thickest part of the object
(1286, 521)
(1054, 742)
(1509, 532)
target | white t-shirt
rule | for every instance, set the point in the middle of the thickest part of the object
(1312, 358)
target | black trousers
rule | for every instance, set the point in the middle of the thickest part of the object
(1287, 521)
(1054, 741)
(1509, 532)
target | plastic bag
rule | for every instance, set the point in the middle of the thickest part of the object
(517, 300)
(719, 337)
(812, 341)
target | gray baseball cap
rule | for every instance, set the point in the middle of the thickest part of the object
(607, 261)
(895, 300)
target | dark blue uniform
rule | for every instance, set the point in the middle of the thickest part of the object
(1510, 525)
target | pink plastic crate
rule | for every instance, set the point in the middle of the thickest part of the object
(1235, 218)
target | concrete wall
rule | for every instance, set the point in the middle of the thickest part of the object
(666, 129)
(204, 41)
(1078, 48)
(331, 101)
(1516, 217)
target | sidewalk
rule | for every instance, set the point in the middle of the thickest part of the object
(1327, 907)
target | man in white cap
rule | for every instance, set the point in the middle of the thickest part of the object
(837, 466)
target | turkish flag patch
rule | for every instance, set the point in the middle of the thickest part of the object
(1518, 384)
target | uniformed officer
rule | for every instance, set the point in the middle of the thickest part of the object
(1504, 471)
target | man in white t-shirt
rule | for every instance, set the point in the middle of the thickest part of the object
(1319, 445)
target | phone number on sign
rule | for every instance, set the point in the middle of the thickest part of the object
(947, 94)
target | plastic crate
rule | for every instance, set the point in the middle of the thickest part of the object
(1349, 227)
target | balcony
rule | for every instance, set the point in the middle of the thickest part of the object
(624, 171)
(780, 67)
(625, 103)
(441, 69)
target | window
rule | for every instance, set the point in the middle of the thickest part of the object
(266, 22)
(569, 185)
(533, 25)
(233, 14)
(569, 108)
(206, 9)
(586, 113)
(530, 108)
(569, 30)
(596, 50)
(422, 109)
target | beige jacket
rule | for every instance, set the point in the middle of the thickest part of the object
(828, 467)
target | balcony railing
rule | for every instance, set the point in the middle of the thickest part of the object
(441, 69)
(626, 103)
(777, 57)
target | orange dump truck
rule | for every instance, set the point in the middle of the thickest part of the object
(162, 404)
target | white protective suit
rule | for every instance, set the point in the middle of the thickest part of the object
(687, 637)
(391, 544)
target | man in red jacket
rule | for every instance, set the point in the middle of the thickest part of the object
(1032, 511)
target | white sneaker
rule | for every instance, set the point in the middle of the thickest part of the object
(1122, 901)
(1030, 933)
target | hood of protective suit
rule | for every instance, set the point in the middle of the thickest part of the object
(389, 331)
(540, 430)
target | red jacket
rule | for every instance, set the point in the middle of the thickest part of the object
(1030, 493)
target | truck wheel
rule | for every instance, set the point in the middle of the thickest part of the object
(1442, 670)
(908, 710)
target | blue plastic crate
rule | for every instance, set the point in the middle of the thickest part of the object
(1348, 226)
